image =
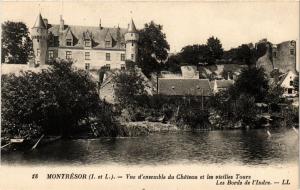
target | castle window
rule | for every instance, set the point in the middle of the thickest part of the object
(122, 57)
(132, 56)
(87, 55)
(107, 44)
(291, 83)
(68, 55)
(107, 55)
(107, 66)
(292, 51)
(87, 43)
(69, 42)
(50, 54)
(87, 66)
(123, 67)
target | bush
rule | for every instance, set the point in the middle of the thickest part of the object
(53, 100)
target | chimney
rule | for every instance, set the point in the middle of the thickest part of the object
(61, 24)
(45, 22)
(100, 26)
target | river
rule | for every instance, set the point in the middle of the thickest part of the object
(242, 147)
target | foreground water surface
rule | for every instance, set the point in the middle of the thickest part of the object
(251, 147)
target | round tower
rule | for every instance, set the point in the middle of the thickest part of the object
(131, 40)
(39, 36)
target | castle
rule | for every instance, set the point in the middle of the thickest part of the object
(88, 47)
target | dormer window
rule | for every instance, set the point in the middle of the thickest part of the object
(69, 42)
(107, 44)
(87, 43)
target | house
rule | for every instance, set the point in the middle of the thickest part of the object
(186, 84)
(89, 47)
(220, 85)
(286, 81)
(184, 87)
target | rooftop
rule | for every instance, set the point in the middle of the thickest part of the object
(184, 86)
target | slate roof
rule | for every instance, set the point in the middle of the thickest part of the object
(224, 83)
(39, 23)
(132, 27)
(182, 87)
(97, 35)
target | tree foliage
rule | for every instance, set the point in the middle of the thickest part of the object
(16, 45)
(195, 54)
(245, 54)
(152, 48)
(52, 101)
(238, 103)
(252, 81)
(215, 47)
(128, 84)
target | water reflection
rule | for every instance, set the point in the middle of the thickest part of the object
(235, 146)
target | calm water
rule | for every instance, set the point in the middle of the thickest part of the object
(252, 147)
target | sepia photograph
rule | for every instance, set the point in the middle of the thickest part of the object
(212, 85)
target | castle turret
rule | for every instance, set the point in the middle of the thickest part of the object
(39, 36)
(131, 40)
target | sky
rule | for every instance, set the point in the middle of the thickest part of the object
(184, 23)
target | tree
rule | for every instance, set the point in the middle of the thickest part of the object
(215, 47)
(173, 63)
(252, 81)
(195, 54)
(16, 44)
(128, 84)
(152, 48)
(244, 54)
(52, 101)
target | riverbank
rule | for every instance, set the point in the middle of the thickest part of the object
(145, 127)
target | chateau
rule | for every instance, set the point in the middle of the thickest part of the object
(88, 47)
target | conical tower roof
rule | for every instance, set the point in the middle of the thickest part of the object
(39, 23)
(131, 27)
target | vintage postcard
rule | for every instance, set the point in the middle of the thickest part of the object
(149, 95)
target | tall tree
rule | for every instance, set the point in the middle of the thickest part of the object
(253, 82)
(245, 54)
(16, 44)
(196, 54)
(152, 48)
(215, 46)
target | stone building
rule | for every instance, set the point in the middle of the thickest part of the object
(284, 56)
(280, 56)
(88, 47)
